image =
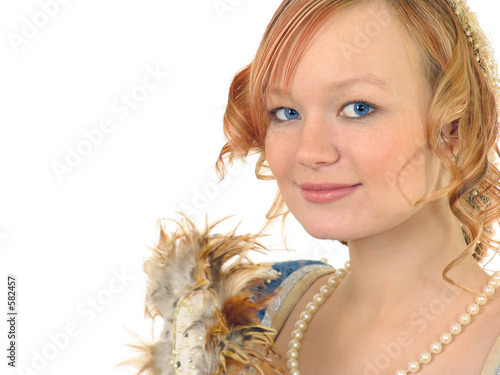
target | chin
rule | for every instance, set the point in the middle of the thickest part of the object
(327, 232)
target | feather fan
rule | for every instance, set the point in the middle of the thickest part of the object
(207, 279)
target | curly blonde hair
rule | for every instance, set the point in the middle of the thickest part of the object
(463, 95)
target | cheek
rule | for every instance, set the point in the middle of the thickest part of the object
(409, 172)
(396, 160)
(279, 155)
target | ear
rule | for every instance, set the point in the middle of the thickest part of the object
(449, 134)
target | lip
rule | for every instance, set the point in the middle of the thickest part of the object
(326, 193)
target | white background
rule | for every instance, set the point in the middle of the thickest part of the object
(66, 238)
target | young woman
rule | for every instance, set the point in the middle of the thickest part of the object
(379, 121)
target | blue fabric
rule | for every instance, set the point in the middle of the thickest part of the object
(286, 269)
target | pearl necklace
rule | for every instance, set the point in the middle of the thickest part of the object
(414, 366)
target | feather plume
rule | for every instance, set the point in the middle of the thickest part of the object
(213, 274)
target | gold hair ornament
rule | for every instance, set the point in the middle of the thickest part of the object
(479, 42)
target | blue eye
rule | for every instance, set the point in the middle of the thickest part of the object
(357, 109)
(285, 114)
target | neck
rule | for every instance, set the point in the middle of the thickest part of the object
(394, 267)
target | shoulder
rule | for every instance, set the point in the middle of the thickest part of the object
(492, 365)
(293, 279)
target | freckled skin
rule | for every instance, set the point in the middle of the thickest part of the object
(386, 151)
(398, 250)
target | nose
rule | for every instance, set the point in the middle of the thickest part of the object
(317, 146)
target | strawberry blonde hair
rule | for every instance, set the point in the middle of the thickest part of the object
(463, 95)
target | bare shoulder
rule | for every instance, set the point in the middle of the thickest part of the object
(491, 313)
(489, 325)
(491, 310)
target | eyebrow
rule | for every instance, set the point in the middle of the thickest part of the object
(338, 85)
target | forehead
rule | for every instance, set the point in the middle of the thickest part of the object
(361, 42)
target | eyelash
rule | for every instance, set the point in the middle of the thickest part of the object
(272, 113)
(372, 106)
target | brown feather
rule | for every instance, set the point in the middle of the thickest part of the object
(187, 262)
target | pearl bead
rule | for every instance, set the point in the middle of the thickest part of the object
(340, 273)
(306, 316)
(436, 348)
(294, 372)
(324, 260)
(333, 282)
(455, 329)
(446, 338)
(494, 283)
(473, 309)
(297, 335)
(489, 290)
(312, 307)
(326, 290)
(400, 372)
(294, 344)
(319, 299)
(292, 363)
(425, 357)
(464, 319)
(292, 354)
(481, 300)
(413, 367)
(347, 265)
(301, 325)
(496, 276)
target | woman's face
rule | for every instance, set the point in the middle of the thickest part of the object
(347, 140)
